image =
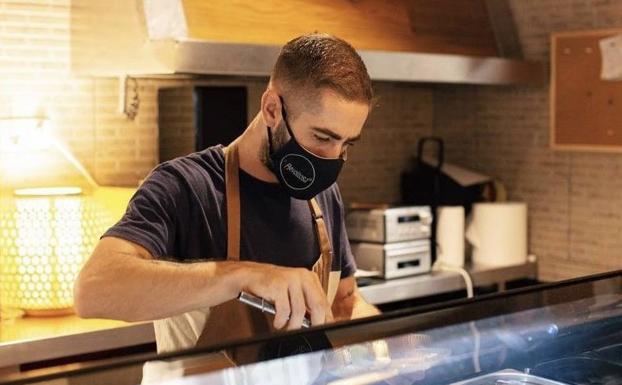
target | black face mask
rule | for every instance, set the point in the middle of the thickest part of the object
(301, 173)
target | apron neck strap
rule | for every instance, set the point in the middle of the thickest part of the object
(232, 186)
(324, 241)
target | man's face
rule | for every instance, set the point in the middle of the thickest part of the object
(327, 130)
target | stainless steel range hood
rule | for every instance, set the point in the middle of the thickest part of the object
(116, 38)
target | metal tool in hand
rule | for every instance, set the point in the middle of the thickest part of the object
(265, 306)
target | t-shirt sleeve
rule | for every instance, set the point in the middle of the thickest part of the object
(151, 215)
(348, 265)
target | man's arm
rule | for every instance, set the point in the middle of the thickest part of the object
(122, 280)
(349, 304)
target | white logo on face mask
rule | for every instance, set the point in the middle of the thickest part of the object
(297, 173)
(291, 169)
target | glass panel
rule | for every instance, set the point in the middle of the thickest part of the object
(564, 333)
(574, 342)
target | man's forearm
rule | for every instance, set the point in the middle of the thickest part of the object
(123, 281)
(134, 289)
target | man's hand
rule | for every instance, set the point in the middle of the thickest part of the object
(349, 303)
(294, 292)
(121, 280)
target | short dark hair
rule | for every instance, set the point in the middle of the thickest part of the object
(316, 61)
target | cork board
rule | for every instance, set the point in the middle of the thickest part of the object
(585, 111)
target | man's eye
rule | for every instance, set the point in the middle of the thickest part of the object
(322, 138)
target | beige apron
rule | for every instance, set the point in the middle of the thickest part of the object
(234, 320)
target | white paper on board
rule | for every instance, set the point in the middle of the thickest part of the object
(611, 52)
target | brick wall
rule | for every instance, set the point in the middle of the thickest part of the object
(176, 122)
(33, 68)
(574, 205)
(35, 63)
(404, 113)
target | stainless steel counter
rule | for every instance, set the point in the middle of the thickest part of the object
(37, 339)
(444, 282)
(32, 339)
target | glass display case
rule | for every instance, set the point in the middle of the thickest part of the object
(563, 333)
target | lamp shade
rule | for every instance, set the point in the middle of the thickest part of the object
(44, 241)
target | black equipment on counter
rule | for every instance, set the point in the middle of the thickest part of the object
(433, 182)
(422, 185)
(427, 182)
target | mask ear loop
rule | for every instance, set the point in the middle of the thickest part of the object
(344, 155)
(284, 115)
(269, 140)
(270, 148)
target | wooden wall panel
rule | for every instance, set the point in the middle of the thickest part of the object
(453, 23)
(440, 26)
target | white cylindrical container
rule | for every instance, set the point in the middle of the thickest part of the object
(450, 236)
(498, 233)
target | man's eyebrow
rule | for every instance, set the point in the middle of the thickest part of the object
(334, 135)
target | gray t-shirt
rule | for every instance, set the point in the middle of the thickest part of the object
(179, 213)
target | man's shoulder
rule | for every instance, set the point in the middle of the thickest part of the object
(330, 198)
(197, 166)
(199, 174)
(211, 160)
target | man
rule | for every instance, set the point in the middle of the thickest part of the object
(250, 217)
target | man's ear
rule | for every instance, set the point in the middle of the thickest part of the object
(271, 108)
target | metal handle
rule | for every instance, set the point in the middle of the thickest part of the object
(439, 145)
(265, 306)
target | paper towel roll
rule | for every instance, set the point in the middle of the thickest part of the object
(498, 233)
(450, 236)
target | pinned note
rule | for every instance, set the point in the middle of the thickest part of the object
(611, 52)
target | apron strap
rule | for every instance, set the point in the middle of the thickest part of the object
(232, 183)
(233, 320)
(326, 257)
(232, 187)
